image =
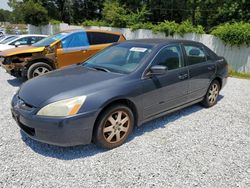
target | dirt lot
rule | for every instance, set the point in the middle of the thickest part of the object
(194, 147)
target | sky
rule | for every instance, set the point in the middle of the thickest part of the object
(4, 5)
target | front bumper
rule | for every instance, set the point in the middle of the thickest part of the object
(14, 69)
(70, 131)
(9, 68)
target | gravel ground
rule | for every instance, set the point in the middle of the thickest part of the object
(194, 147)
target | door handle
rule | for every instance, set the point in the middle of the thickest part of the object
(183, 76)
(211, 67)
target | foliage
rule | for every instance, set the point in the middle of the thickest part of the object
(236, 74)
(95, 23)
(34, 13)
(114, 13)
(87, 10)
(146, 25)
(233, 34)
(4, 15)
(181, 16)
(208, 13)
(8, 29)
(118, 15)
(54, 22)
(138, 16)
(170, 28)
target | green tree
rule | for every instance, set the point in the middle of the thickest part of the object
(114, 13)
(34, 13)
(5, 15)
(118, 15)
(87, 10)
(17, 15)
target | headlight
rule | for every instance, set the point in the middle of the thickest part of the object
(63, 108)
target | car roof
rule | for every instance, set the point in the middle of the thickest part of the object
(90, 30)
(160, 41)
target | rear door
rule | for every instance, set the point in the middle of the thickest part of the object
(201, 70)
(164, 92)
(74, 49)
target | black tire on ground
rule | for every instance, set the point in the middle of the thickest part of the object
(212, 94)
(38, 69)
(113, 126)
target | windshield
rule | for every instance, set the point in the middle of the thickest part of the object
(9, 39)
(122, 58)
(49, 40)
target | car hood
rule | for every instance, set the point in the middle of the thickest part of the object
(65, 83)
(20, 50)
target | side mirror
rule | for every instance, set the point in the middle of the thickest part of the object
(17, 44)
(158, 70)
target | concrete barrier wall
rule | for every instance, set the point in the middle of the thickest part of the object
(237, 57)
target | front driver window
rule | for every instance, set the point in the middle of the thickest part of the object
(75, 40)
(170, 57)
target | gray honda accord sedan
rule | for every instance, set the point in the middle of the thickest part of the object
(123, 86)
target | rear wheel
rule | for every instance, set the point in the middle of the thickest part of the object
(38, 69)
(212, 94)
(113, 126)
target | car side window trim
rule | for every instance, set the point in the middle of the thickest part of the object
(82, 48)
(143, 76)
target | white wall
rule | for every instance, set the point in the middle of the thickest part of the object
(237, 57)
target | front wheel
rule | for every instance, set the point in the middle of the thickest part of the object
(38, 69)
(212, 94)
(113, 126)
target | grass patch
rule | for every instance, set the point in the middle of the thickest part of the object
(236, 74)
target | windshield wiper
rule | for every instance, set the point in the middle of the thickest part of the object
(101, 69)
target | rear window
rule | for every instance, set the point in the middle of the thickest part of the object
(102, 38)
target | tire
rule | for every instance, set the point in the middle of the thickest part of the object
(38, 69)
(109, 120)
(212, 94)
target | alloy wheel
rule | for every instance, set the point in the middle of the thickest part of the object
(213, 93)
(116, 126)
(40, 71)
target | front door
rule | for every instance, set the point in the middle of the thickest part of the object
(74, 49)
(164, 92)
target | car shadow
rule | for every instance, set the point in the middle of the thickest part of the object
(16, 82)
(75, 152)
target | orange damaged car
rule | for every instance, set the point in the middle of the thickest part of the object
(57, 51)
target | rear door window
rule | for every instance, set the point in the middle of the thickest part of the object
(76, 40)
(102, 38)
(195, 54)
